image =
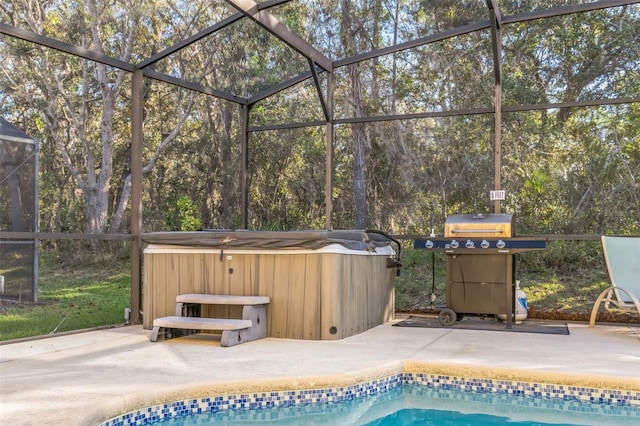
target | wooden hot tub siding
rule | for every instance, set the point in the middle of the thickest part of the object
(311, 291)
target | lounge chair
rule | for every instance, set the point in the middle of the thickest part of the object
(622, 255)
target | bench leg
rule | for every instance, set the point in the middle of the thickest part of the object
(164, 333)
(258, 330)
(155, 332)
(188, 309)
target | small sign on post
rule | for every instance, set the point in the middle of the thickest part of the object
(496, 195)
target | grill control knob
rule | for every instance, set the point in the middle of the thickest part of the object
(500, 244)
(454, 244)
(429, 244)
(469, 244)
(484, 244)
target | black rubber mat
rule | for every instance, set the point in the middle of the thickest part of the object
(489, 324)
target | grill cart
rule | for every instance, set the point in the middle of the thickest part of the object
(480, 264)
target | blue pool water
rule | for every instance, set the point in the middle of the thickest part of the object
(407, 404)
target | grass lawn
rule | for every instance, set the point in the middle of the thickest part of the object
(70, 298)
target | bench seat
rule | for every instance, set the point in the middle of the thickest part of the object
(252, 326)
(216, 299)
(198, 323)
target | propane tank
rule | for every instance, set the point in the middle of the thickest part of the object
(521, 303)
(521, 306)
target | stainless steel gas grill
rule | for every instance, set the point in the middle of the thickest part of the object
(480, 264)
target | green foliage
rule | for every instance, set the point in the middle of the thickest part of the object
(416, 282)
(568, 170)
(287, 180)
(183, 216)
(571, 256)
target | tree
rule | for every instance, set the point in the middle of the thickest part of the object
(565, 170)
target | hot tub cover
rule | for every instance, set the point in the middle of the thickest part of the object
(351, 239)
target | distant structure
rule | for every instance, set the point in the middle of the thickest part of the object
(18, 213)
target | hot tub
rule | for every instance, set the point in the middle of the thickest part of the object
(323, 285)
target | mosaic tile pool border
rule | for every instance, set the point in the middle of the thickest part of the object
(547, 394)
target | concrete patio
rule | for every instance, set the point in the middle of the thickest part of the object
(88, 377)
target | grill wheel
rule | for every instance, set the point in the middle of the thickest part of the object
(447, 317)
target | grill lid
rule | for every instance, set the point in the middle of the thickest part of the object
(479, 225)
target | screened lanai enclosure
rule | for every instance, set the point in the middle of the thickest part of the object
(333, 114)
(18, 212)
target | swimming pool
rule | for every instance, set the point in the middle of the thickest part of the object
(366, 402)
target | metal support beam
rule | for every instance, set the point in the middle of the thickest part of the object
(566, 10)
(270, 3)
(190, 40)
(136, 196)
(175, 81)
(63, 236)
(244, 173)
(204, 33)
(319, 90)
(287, 126)
(270, 23)
(78, 51)
(278, 88)
(496, 38)
(452, 113)
(497, 16)
(572, 104)
(36, 220)
(414, 116)
(444, 35)
(328, 186)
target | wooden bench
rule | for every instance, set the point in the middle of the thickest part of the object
(252, 326)
(184, 301)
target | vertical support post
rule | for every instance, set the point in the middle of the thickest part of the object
(328, 197)
(510, 293)
(136, 195)
(244, 185)
(496, 37)
(497, 143)
(36, 220)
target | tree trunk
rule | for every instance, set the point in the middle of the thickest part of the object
(358, 131)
